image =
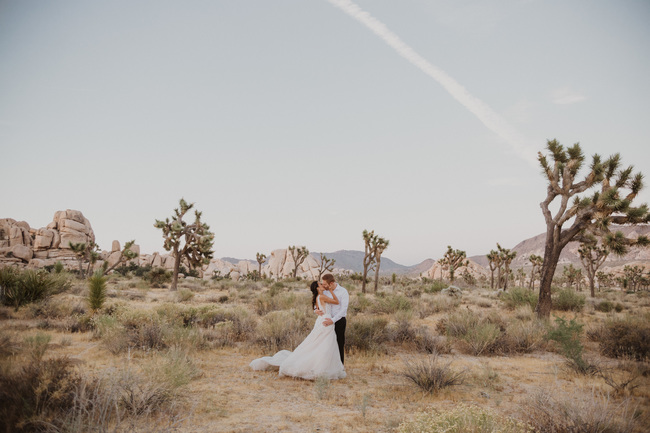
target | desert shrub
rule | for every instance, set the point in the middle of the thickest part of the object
(463, 419)
(430, 305)
(402, 330)
(37, 393)
(360, 303)
(482, 339)
(184, 295)
(96, 291)
(554, 410)
(627, 337)
(567, 334)
(391, 304)
(20, 288)
(283, 330)
(266, 303)
(426, 342)
(8, 346)
(568, 300)
(458, 324)
(366, 334)
(157, 277)
(435, 287)
(430, 374)
(518, 296)
(604, 306)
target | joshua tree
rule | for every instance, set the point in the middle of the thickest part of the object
(606, 206)
(592, 257)
(96, 290)
(494, 262)
(454, 259)
(521, 277)
(633, 275)
(125, 255)
(85, 252)
(369, 239)
(190, 242)
(380, 246)
(573, 276)
(537, 262)
(326, 265)
(506, 257)
(298, 255)
(604, 279)
(261, 258)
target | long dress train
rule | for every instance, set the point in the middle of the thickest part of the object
(317, 355)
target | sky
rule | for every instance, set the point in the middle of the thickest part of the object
(304, 122)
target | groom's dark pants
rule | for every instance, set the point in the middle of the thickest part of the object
(339, 329)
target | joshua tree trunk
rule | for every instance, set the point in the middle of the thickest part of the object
(378, 261)
(177, 267)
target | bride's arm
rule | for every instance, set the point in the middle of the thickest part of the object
(328, 300)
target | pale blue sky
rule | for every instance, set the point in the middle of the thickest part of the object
(289, 122)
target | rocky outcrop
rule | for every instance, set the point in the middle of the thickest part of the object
(22, 245)
(436, 271)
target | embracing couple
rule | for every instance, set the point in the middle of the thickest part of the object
(321, 354)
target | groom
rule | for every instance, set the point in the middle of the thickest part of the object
(338, 311)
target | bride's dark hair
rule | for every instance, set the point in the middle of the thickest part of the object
(314, 291)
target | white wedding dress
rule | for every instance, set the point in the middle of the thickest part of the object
(317, 355)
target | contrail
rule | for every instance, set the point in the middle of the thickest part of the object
(520, 145)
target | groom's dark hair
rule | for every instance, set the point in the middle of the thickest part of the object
(329, 278)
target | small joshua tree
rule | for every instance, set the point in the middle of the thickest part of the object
(506, 257)
(326, 265)
(299, 255)
(261, 258)
(369, 239)
(536, 262)
(125, 255)
(379, 246)
(592, 257)
(494, 261)
(454, 259)
(85, 251)
(189, 242)
(97, 290)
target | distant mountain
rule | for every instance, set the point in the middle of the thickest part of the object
(569, 255)
(353, 260)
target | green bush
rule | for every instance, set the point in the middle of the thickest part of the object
(283, 329)
(604, 306)
(23, 287)
(567, 334)
(435, 287)
(568, 300)
(391, 304)
(518, 296)
(96, 291)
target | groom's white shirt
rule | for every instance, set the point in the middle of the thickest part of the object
(341, 309)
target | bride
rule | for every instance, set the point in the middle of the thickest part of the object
(318, 354)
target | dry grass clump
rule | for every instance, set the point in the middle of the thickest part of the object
(275, 301)
(391, 304)
(463, 419)
(519, 296)
(429, 305)
(430, 374)
(556, 411)
(568, 300)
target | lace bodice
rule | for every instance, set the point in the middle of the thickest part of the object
(325, 307)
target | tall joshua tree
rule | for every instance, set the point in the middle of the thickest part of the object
(261, 258)
(326, 265)
(380, 246)
(190, 242)
(536, 261)
(506, 257)
(592, 257)
(369, 239)
(454, 259)
(298, 254)
(608, 204)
